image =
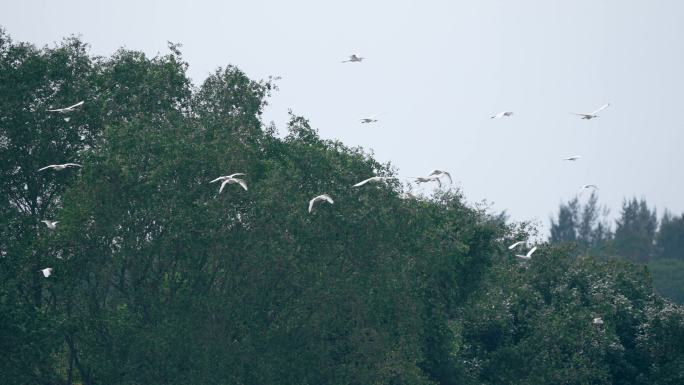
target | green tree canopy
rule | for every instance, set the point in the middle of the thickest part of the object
(159, 279)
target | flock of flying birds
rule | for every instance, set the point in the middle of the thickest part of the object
(356, 58)
(434, 176)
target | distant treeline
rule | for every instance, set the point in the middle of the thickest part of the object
(638, 237)
(157, 278)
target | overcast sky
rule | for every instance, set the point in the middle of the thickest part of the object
(438, 70)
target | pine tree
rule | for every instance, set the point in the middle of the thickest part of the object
(584, 225)
(670, 238)
(565, 229)
(635, 231)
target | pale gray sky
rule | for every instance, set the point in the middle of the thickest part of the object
(439, 69)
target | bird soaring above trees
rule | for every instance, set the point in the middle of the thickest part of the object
(439, 174)
(354, 58)
(422, 179)
(370, 119)
(593, 114)
(502, 114)
(572, 158)
(586, 186)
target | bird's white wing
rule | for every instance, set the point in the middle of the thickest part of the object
(529, 253)
(223, 184)
(66, 109)
(75, 105)
(438, 173)
(46, 167)
(241, 183)
(72, 107)
(218, 179)
(311, 203)
(603, 107)
(72, 165)
(585, 115)
(511, 247)
(364, 182)
(327, 198)
(448, 176)
(236, 174)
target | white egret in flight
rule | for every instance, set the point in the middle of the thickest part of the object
(593, 114)
(231, 181)
(222, 178)
(60, 167)
(422, 179)
(502, 114)
(572, 158)
(50, 224)
(354, 58)
(439, 174)
(586, 186)
(370, 119)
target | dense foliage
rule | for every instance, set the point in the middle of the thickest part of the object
(158, 279)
